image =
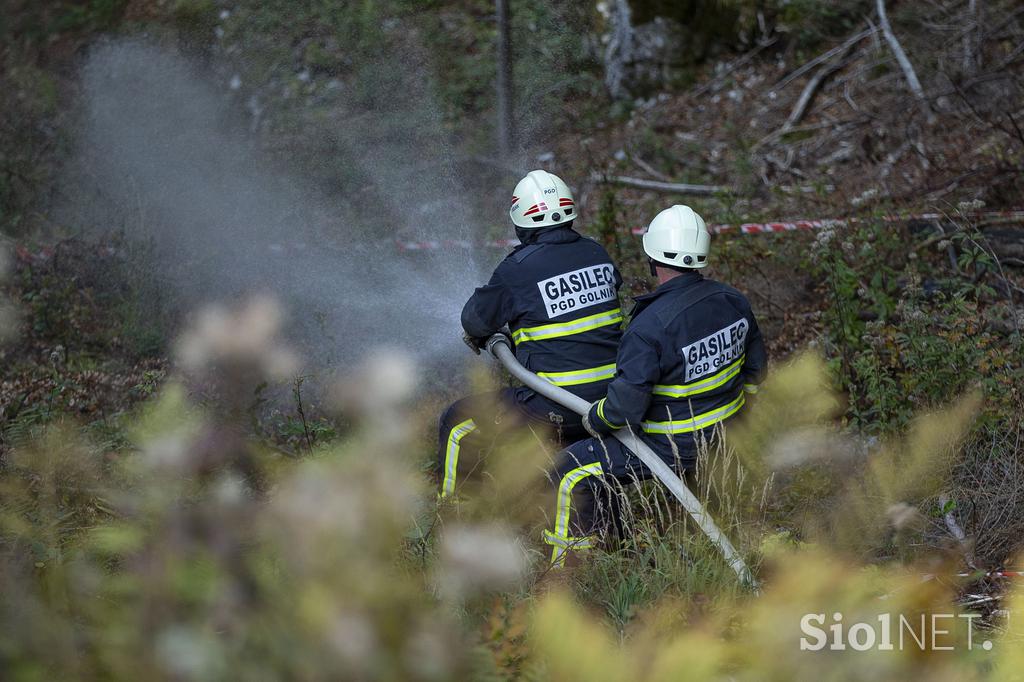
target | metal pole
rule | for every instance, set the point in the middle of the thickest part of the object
(498, 346)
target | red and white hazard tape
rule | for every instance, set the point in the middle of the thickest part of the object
(761, 228)
(744, 228)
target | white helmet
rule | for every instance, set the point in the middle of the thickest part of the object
(541, 200)
(678, 236)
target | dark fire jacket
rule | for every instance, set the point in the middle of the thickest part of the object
(559, 297)
(690, 353)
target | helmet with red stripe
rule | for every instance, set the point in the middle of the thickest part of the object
(541, 199)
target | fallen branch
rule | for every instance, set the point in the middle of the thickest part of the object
(785, 166)
(830, 67)
(824, 57)
(979, 599)
(649, 169)
(671, 187)
(901, 58)
(915, 193)
(805, 189)
(808, 127)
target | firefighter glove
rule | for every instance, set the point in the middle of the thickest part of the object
(475, 343)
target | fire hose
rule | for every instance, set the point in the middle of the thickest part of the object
(500, 347)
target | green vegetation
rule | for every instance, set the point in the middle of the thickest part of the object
(226, 516)
(187, 550)
(907, 330)
(205, 538)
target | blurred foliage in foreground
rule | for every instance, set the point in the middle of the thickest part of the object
(199, 553)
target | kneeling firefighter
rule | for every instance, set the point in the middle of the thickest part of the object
(558, 294)
(691, 352)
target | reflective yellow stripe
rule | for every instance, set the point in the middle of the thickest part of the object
(560, 537)
(714, 381)
(552, 331)
(451, 457)
(568, 542)
(697, 422)
(750, 388)
(580, 376)
(600, 413)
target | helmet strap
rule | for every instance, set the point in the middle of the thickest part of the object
(652, 266)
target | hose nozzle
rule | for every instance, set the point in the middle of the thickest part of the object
(500, 337)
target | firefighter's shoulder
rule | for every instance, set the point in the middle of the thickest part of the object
(522, 253)
(729, 292)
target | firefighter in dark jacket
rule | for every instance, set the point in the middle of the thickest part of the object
(557, 292)
(690, 355)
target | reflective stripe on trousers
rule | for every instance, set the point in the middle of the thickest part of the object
(560, 539)
(553, 331)
(451, 456)
(714, 381)
(696, 422)
(580, 376)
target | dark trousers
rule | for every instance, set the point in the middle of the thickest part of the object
(587, 480)
(475, 423)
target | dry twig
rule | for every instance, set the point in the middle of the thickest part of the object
(901, 57)
(649, 169)
(800, 108)
(824, 57)
(672, 187)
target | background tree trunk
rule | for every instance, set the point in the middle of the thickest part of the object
(971, 39)
(506, 113)
(619, 50)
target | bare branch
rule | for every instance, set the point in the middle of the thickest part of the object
(800, 108)
(671, 187)
(807, 127)
(649, 169)
(824, 57)
(901, 57)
